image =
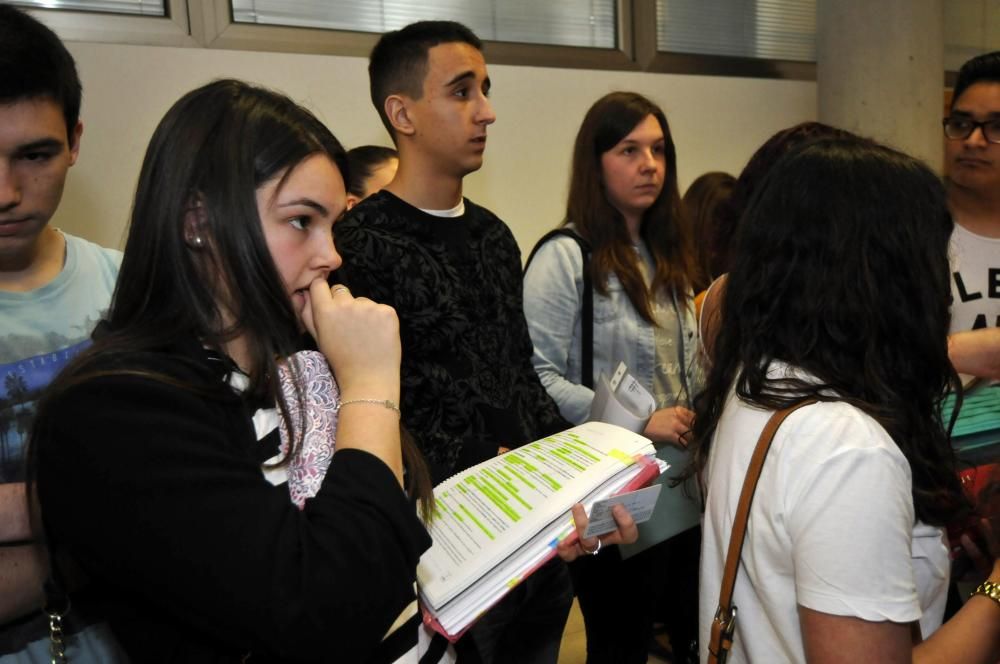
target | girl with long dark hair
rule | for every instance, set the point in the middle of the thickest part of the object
(838, 292)
(150, 452)
(703, 201)
(624, 204)
(372, 167)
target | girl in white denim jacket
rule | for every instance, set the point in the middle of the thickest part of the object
(624, 203)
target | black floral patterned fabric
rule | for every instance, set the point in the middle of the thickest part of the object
(468, 386)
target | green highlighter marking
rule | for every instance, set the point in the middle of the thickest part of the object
(551, 482)
(497, 498)
(476, 521)
(515, 459)
(522, 478)
(504, 482)
(581, 448)
(563, 455)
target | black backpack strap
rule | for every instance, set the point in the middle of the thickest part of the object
(587, 311)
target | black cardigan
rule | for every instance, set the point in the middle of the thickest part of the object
(156, 492)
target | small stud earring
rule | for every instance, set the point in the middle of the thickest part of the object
(198, 240)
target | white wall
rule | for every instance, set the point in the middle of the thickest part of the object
(716, 122)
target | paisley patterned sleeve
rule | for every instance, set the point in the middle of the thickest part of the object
(311, 396)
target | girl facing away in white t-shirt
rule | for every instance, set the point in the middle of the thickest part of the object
(839, 291)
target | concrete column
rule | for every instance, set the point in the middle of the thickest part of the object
(880, 71)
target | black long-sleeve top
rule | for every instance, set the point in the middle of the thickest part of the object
(156, 493)
(468, 385)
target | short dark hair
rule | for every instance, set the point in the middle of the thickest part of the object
(985, 67)
(362, 162)
(398, 63)
(34, 64)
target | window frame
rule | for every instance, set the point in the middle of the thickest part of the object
(74, 25)
(210, 24)
(214, 27)
(723, 65)
(652, 59)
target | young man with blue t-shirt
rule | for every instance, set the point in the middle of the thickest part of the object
(53, 289)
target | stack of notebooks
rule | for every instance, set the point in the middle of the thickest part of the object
(976, 436)
(497, 522)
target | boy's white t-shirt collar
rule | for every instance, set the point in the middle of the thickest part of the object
(456, 211)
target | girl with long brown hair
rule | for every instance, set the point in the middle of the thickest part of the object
(625, 207)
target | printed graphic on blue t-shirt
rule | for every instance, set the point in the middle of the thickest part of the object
(21, 383)
(40, 332)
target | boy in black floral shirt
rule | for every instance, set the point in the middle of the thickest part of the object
(452, 271)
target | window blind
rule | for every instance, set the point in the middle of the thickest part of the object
(141, 7)
(766, 29)
(590, 23)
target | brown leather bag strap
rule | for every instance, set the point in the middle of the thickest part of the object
(724, 623)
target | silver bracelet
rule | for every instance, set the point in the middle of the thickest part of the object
(385, 403)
